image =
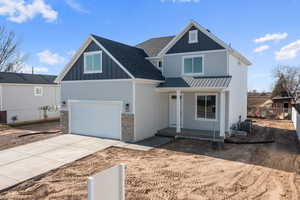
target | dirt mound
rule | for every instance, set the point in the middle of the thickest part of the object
(185, 169)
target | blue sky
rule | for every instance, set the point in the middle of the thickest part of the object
(51, 30)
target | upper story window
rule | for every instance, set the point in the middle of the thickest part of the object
(193, 65)
(93, 62)
(38, 91)
(193, 36)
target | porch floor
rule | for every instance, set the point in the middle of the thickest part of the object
(191, 133)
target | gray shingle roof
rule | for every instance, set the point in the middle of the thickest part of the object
(197, 82)
(9, 77)
(132, 58)
(154, 45)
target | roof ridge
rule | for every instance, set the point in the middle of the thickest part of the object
(115, 41)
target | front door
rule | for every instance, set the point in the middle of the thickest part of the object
(173, 109)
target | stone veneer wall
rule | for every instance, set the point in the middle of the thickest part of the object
(64, 121)
(128, 128)
(127, 125)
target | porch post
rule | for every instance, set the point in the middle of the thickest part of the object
(178, 101)
(222, 114)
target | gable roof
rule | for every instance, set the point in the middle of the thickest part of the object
(19, 78)
(154, 45)
(132, 58)
(209, 34)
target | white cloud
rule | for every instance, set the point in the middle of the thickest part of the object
(50, 58)
(181, 1)
(261, 48)
(76, 6)
(289, 51)
(20, 11)
(28, 69)
(269, 37)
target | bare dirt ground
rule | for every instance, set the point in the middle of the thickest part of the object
(18, 136)
(186, 169)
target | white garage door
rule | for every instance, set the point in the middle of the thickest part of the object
(95, 118)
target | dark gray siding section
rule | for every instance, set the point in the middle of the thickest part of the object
(204, 43)
(110, 69)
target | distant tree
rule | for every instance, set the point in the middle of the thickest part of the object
(287, 82)
(10, 59)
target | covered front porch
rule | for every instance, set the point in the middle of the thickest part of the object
(199, 111)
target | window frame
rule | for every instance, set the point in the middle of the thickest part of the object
(192, 74)
(196, 36)
(90, 53)
(217, 101)
(35, 91)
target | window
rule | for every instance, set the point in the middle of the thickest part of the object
(193, 65)
(193, 36)
(206, 107)
(93, 62)
(38, 91)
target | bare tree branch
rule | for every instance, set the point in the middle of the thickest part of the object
(10, 59)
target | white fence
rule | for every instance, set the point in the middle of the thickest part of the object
(108, 184)
(296, 121)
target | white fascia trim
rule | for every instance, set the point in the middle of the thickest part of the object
(73, 60)
(38, 85)
(112, 57)
(141, 80)
(191, 89)
(137, 80)
(209, 34)
(196, 52)
(98, 80)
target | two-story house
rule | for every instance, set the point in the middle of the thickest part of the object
(192, 81)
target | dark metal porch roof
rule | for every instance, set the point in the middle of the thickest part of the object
(197, 82)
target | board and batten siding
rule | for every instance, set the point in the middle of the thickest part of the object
(237, 90)
(98, 91)
(110, 69)
(151, 111)
(19, 100)
(204, 43)
(215, 64)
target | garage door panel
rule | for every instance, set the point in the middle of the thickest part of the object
(96, 119)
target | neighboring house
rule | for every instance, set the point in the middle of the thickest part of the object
(28, 97)
(191, 81)
(282, 106)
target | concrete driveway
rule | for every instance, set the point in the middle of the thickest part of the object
(24, 162)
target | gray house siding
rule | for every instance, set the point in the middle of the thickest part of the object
(189, 121)
(204, 43)
(110, 69)
(98, 91)
(215, 64)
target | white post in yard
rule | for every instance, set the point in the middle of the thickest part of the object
(178, 102)
(222, 114)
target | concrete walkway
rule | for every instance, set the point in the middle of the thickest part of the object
(27, 161)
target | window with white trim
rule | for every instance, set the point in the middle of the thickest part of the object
(193, 65)
(206, 107)
(193, 36)
(38, 91)
(93, 62)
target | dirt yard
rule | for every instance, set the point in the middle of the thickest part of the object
(24, 134)
(186, 169)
